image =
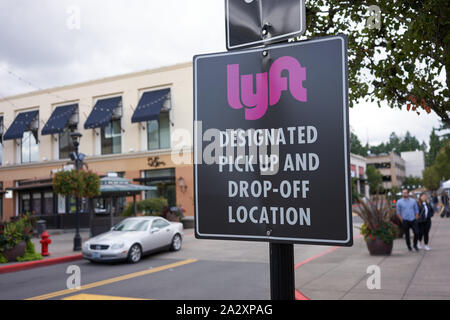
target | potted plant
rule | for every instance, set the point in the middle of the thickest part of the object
(177, 213)
(378, 230)
(14, 237)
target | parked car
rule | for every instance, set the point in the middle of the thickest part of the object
(134, 237)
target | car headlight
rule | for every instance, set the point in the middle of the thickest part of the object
(86, 245)
(116, 246)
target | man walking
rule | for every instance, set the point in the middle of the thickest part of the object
(408, 213)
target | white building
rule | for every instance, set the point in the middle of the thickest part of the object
(358, 171)
(414, 163)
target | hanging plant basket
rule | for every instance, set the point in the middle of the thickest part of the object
(80, 184)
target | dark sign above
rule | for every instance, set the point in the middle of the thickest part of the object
(271, 144)
(251, 23)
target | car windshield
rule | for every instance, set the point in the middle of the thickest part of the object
(131, 225)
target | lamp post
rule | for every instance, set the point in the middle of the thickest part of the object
(76, 136)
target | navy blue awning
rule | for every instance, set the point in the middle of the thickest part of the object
(58, 120)
(150, 105)
(102, 113)
(20, 125)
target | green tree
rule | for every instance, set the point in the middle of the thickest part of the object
(409, 143)
(412, 183)
(442, 162)
(379, 149)
(398, 144)
(435, 145)
(356, 146)
(374, 179)
(440, 170)
(401, 63)
(394, 142)
(431, 178)
(445, 127)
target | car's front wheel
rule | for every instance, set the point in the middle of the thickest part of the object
(176, 243)
(135, 253)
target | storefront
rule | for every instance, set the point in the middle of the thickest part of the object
(130, 124)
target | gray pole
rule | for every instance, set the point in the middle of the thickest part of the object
(76, 136)
(282, 277)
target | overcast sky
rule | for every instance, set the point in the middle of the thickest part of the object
(45, 43)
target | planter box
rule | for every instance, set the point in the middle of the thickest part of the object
(18, 251)
(378, 247)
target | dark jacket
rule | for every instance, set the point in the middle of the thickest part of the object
(422, 212)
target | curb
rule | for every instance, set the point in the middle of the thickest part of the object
(40, 263)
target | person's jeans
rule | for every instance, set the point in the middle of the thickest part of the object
(411, 225)
(424, 230)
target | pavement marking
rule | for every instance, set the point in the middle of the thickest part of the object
(298, 294)
(92, 297)
(298, 265)
(113, 280)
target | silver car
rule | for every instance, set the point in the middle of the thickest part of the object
(133, 238)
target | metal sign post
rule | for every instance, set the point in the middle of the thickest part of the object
(282, 277)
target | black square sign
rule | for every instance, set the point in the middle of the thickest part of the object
(251, 23)
(271, 144)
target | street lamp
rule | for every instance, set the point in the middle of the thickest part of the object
(76, 137)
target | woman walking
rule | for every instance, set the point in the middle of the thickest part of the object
(425, 214)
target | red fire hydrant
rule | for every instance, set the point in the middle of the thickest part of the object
(45, 241)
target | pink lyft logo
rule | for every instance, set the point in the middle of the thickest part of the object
(267, 92)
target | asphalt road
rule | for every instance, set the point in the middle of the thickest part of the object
(203, 269)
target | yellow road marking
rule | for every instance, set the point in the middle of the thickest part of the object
(112, 280)
(92, 297)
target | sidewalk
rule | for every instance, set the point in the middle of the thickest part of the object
(341, 273)
(62, 243)
(61, 246)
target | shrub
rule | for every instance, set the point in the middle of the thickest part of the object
(11, 233)
(30, 253)
(387, 232)
(149, 207)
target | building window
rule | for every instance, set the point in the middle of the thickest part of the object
(111, 136)
(65, 144)
(48, 204)
(30, 147)
(1, 141)
(158, 132)
(36, 204)
(383, 165)
(24, 203)
(164, 181)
